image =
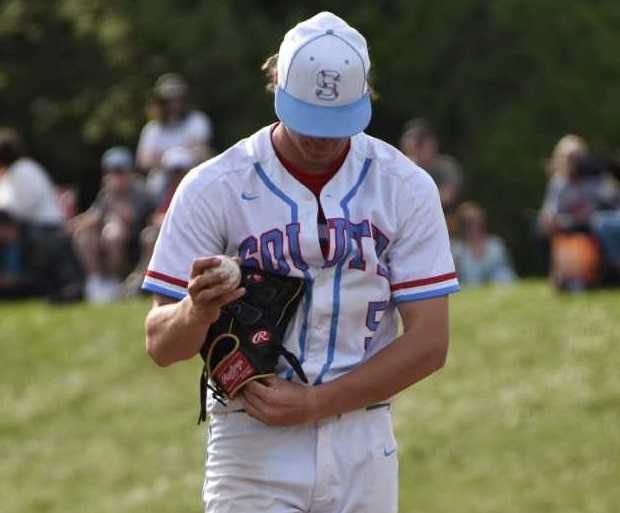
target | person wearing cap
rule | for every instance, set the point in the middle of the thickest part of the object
(174, 123)
(106, 235)
(175, 162)
(310, 196)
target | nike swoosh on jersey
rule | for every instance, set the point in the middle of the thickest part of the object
(387, 452)
(248, 197)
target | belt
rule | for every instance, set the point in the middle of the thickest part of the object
(368, 408)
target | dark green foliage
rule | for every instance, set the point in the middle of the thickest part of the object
(501, 81)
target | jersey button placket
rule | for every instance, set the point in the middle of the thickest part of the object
(321, 317)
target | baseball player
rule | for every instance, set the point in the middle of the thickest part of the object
(311, 197)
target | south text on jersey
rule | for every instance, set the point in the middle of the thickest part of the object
(279, 250)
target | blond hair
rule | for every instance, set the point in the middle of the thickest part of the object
(568, 147)
(270, 70)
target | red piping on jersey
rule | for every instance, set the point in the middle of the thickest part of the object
(424, 281)
(167, 279)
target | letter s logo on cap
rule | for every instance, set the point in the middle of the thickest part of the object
(327, 81)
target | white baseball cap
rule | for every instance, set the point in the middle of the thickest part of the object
(322, 88)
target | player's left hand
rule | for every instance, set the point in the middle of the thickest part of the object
(277, 402)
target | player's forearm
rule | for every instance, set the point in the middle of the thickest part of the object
(173, 333)
(176, 331)
(416, 354)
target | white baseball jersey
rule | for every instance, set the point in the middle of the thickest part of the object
(388, 243)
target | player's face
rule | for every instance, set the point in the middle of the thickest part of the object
(317, 150)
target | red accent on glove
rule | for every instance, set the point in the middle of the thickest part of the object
(233, 371)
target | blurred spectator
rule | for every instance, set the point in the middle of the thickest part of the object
(419, 142)
(26, 192)
(67, 198)
(603, 178)
(34, 242)
(588, 189)
(174, 124)
(479, 257)
(13, 275)
(575, 261)
(586, 225)
(107, 234)
(558, 170)
(176, 162)
(606, 227)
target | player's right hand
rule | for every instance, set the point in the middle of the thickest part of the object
(209, 292)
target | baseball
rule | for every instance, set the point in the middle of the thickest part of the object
(232, 270)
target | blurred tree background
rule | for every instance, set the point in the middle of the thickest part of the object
(500, 80)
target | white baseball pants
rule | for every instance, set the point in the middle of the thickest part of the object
(344, 464)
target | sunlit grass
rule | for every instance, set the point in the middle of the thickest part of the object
(525, 418)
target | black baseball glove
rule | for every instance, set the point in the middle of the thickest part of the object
(245, 342)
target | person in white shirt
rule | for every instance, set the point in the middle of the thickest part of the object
(174, 124)
(28, 195)
(26, 191)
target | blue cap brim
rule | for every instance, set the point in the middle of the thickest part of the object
(316, 121)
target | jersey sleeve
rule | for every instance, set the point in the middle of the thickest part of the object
(420, 260)
(190, 230)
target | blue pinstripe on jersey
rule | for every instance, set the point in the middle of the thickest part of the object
(333, 329)
(308, 277)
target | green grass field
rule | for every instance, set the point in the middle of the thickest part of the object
(525, 418)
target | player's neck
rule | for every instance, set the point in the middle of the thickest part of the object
(287, 148)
